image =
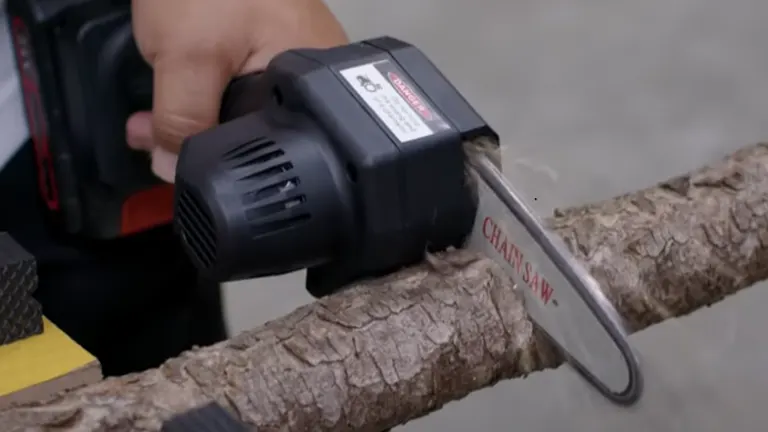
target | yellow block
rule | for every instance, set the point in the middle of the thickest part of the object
(38, 359)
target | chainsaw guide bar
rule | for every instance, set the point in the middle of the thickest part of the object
(561, 297)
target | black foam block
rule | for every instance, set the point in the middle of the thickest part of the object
(208, 418)
(20, 314)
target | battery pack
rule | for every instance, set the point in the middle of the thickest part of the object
(20, 314)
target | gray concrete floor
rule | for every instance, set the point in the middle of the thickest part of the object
(594, 98)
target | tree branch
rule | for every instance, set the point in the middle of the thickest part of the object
(390, 350)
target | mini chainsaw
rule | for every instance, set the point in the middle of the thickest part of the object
(352, 162)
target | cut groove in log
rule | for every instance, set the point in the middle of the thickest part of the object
(393, 349)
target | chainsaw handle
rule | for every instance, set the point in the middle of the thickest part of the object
(243, 95)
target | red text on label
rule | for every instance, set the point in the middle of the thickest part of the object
(410, 96)
(515, 257)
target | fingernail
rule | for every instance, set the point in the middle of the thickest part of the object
(138, 131)
(164, 164)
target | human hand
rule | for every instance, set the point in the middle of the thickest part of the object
(196, 47)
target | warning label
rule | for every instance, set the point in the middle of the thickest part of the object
(395, 100)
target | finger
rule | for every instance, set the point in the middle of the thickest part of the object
(138, 131)
(187, 97)
(164, 164)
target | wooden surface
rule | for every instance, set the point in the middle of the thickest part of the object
(39, 366)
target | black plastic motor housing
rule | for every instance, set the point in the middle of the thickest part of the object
(351, 166)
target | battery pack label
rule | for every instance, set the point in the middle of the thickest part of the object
(395, 100)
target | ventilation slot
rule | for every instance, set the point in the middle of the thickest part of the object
(259, 159)
(269, 172)
(270, 211)
(270, 191)
(197, 229)
(253, 153)
(248, 148)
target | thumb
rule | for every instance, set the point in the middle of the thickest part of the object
(187, 97)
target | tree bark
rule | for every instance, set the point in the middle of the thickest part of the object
(393, 349)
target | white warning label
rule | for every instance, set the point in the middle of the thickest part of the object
(394, 100)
